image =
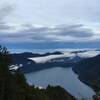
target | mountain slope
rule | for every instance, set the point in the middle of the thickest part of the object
(88, 70)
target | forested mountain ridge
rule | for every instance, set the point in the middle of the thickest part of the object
(88, 69)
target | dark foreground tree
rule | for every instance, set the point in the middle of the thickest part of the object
(96, 87)
(5, 60)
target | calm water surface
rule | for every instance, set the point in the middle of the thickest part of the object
(64, 77)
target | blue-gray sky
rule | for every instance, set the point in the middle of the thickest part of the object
(64, 23)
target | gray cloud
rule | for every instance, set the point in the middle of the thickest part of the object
(74, 31)
(4, 27)
(5, 10)
(60, 33)
(66, 30)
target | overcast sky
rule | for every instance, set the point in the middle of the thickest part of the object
(33, 22)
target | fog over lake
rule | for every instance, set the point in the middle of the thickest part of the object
(64, 77)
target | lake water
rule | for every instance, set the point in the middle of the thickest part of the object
(64, 77)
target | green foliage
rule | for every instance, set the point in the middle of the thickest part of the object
(5, 60)
(58, 93)
(96, 87)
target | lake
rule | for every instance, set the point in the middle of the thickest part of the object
(64, 77)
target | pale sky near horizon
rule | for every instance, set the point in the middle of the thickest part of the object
(58, 21)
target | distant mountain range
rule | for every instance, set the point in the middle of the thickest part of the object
(27, 65)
